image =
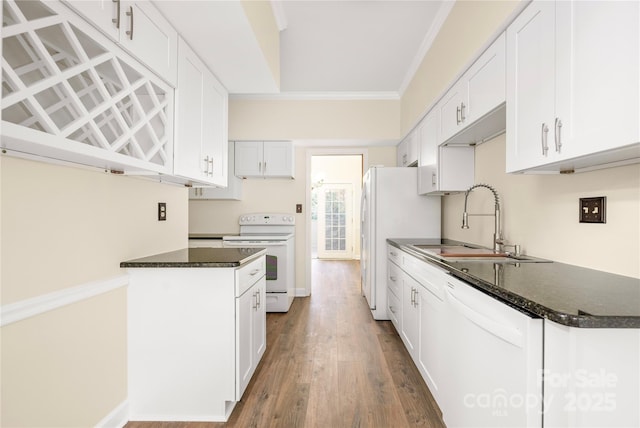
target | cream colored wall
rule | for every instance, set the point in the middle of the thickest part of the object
(263, 23)
(315, 119)
(468, 27)
(540, 212)
(63, 227)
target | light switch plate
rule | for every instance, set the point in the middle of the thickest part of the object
(593, 210)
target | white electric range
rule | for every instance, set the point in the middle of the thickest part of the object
(276, 233)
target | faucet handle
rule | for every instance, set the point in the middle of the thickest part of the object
(516, 248)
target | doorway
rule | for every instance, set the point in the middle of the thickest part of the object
(336, 183)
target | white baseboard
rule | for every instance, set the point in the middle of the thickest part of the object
(302, 292)
(27, 308)
(117, 418)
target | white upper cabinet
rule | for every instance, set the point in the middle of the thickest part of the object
(407, 150)
(442, 169)
(573, 85)
(233, 191)
(72, 94)
(200, 152)
(264, 159)
(478, 92)
(139, 27)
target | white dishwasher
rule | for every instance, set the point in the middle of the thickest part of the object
(497, 355)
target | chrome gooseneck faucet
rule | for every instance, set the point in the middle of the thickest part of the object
(497, 234)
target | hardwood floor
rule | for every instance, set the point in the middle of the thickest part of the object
(330, 364)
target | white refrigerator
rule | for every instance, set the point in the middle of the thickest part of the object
(390, 208)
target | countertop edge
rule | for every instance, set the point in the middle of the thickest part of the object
(181, 264)
(519, 302)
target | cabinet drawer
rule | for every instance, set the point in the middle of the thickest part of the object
(393, 309)
(248, 275)
(393, 254)
(430, 277)
(394, 281)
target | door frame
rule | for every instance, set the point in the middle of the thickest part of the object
(322, 151)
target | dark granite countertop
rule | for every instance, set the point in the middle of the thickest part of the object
(563, 293)
(210, 235)
(197, 258)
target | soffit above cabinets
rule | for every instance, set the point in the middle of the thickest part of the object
(336, 47)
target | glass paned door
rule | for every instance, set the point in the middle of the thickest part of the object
(335, 221)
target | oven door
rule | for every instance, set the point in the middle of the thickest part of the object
(276, 261)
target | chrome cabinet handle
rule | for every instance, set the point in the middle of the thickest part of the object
(211, 166)
(433, 179)
(543, 139)
(458, 115)
(130, 32)
(253, 272)
(393, 278)
(558, 136)
(116, 20)
(391, 309)
(265, 167)
(393, 253)
(260, 167)
(255, 297)
(206, 165)
(462, 107)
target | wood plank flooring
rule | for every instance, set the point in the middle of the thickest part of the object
(328, 363)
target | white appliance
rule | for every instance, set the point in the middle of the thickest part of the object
(493, 378)
(276, 233)
(390, 208)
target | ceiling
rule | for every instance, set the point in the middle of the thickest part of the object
(356, 48)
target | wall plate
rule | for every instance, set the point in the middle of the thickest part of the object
(593, 210)
(162, 211)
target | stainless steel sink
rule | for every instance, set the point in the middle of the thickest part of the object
(468, 253)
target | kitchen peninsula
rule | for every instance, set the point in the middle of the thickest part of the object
(196, 331)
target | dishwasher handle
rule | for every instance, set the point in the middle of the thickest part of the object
(505, 332)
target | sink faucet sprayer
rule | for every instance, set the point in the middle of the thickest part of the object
(498, 242)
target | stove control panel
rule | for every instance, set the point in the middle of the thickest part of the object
(274, 219)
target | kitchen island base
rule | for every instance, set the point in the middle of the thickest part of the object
(196, 336)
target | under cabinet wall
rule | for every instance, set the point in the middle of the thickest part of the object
(66, 227)
(541, 213)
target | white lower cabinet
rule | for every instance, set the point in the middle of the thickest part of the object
(195, 337)
(591, 376)
(251, 329)
(481, 359)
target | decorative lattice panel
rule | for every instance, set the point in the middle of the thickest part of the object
(58, 80)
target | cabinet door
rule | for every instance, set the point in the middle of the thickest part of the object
(485, 82)
(214, 130)
(530, 86)
(188, 157)
(431, 352)
(456, 168)
(244, 340)
(101, 13)
(401, 153)
(278, 159)
(453, 110)
(597, 75)
(248, 156)
(150, 38)
(259, 330)
(410, 314)
(428, 138)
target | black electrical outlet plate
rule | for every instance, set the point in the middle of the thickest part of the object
(593, 210)
(298, 208)
(162, 211)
